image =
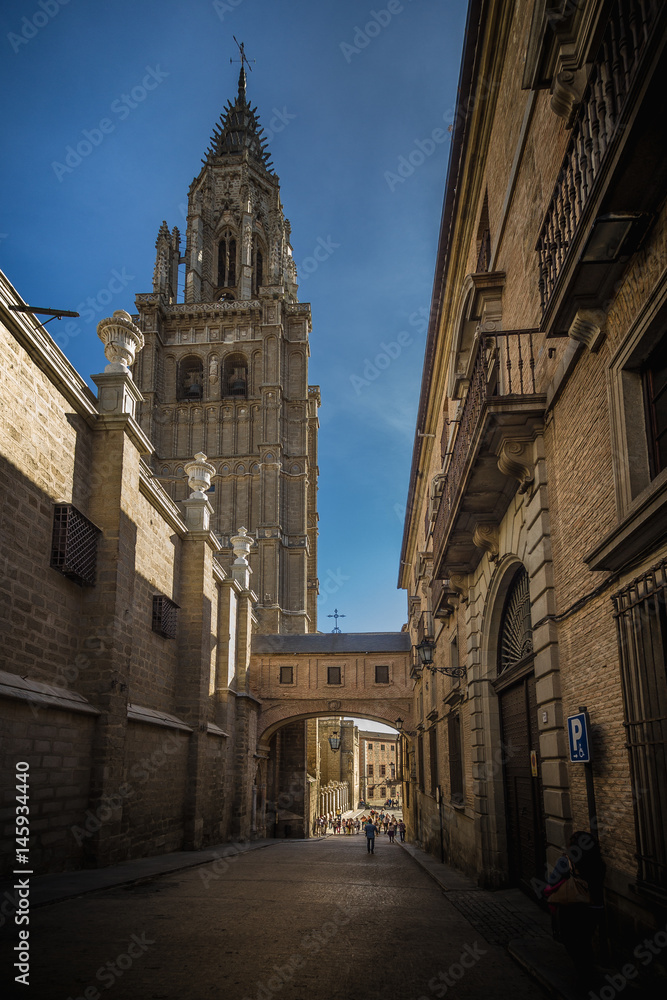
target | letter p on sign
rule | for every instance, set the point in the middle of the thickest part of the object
(577, 731)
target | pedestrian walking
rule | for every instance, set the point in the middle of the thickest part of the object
(370, 830)
(401, 831)
(575, 900)
(391, 831)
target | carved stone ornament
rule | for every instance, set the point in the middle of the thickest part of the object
(459, 584)
(515, 459)
(333, 706)
(587, 326)
(122, 340)
(199, 474)
(485, 536)
(241, 543)
(565, 95)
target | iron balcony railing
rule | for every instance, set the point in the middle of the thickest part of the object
(503, 369)
(616, 67)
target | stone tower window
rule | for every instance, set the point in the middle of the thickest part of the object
(258, 270)
(227, 260)
(190, 378)
(236, 375)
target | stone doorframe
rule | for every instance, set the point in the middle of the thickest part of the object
(523, 538)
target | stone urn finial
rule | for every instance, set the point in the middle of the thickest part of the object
(199, 474)
(241, 543)
(121, 339)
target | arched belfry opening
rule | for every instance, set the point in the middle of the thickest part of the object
(235, 378)
(190, 384)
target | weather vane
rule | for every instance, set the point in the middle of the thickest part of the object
(244, 59)
(336, 616)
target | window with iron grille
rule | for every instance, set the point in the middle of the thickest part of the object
(164, 616)
(455, 759)
(370, 770)
(381, 675)
(640, 610)
(654, 375)
(433, 758)
(383, 770)
(333, 675)
(383, 792)
(74, 544)
(420, 762)
(287, 675)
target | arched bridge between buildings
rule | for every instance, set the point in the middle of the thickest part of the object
(359, 674)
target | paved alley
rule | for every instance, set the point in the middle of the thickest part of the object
(318, 920)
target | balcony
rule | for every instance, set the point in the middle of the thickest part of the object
(502, 410)
(613, 170)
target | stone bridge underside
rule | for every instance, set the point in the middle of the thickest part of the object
(360, 674)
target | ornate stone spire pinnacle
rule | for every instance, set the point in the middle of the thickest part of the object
(238, 129)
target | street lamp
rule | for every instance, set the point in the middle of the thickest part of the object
(401, 731)
(334, 741)
(425, 654)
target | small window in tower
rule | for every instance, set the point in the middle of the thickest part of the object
(235, 382)
(227, 261)
(259, 270)
(190, 378)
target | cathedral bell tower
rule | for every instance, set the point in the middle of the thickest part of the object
(225, 369)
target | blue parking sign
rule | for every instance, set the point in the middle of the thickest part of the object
(577, 730)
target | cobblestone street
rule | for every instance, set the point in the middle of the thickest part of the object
(318, 920)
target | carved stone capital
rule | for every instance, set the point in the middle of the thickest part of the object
(587, 326)
(485, 536)
(515, 458)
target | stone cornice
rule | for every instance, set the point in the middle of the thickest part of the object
(123, 421)
(45, 353)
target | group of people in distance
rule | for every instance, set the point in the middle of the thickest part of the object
(379, 822)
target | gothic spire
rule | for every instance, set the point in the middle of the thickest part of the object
(238, 128)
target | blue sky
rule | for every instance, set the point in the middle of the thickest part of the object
(357, 98)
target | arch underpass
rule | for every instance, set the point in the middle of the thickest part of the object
(298, 678)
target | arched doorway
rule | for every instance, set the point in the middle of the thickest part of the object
(515, 686)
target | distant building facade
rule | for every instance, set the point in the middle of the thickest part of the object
(535, 546)
(379, 767)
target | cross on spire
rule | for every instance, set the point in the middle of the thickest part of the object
(244, 59)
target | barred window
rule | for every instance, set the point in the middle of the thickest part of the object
(370, 770)
(455, 759)
(74, 544)
(383, 770)
(381, 675)
(164, 616)
(287, 675)
(641, 619)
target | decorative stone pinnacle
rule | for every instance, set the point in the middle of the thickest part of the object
(121, 339)
(199, 476)
(242, 543)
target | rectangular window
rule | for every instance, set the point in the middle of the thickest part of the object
(383, 792)
(392, 748)
(383, 770)
(333, 675)
(74, 544)
(370, 770)
(370, 746)
(654, 373)
(455, 759)
(287, 675)
(420, 762)
(433, 758)
(640, 610)
(381, 675)
(382, 746)
(164, 620)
